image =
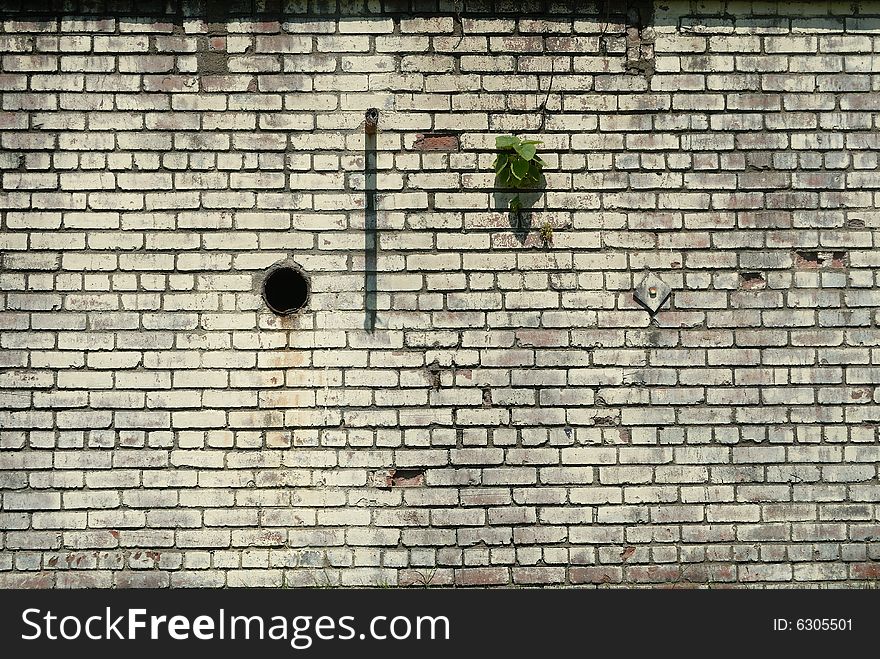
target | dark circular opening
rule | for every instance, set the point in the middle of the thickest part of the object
(286, 290)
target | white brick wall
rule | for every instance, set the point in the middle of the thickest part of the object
(516, 417)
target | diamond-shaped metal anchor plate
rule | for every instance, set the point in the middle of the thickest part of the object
(652, 292)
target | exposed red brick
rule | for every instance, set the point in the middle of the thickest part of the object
(90, 579)
(386, 478)
(716, 573)
(692, 573)
(26, 580)
(865, 570)
(810, 260)
(482, 576)
(407, 478)
(655, 574)
(436, 142)
(595, 574)
(806, 260)
(753, 280)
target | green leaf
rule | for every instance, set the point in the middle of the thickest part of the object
(534, 172)
(532, 142)
(519, 168)
(506, 142)
(501, 161)
(503, 178)
(526, 151)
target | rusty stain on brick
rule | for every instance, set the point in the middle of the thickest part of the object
(436, 142)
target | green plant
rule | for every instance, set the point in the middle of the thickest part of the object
(517, 165)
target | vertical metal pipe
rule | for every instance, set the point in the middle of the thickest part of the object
(371, 245)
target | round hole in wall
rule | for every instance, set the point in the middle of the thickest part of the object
(286, 290)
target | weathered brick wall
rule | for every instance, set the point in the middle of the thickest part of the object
(483, 409)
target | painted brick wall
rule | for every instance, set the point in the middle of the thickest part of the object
(458, 403)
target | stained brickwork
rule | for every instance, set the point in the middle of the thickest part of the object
(460, 402)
